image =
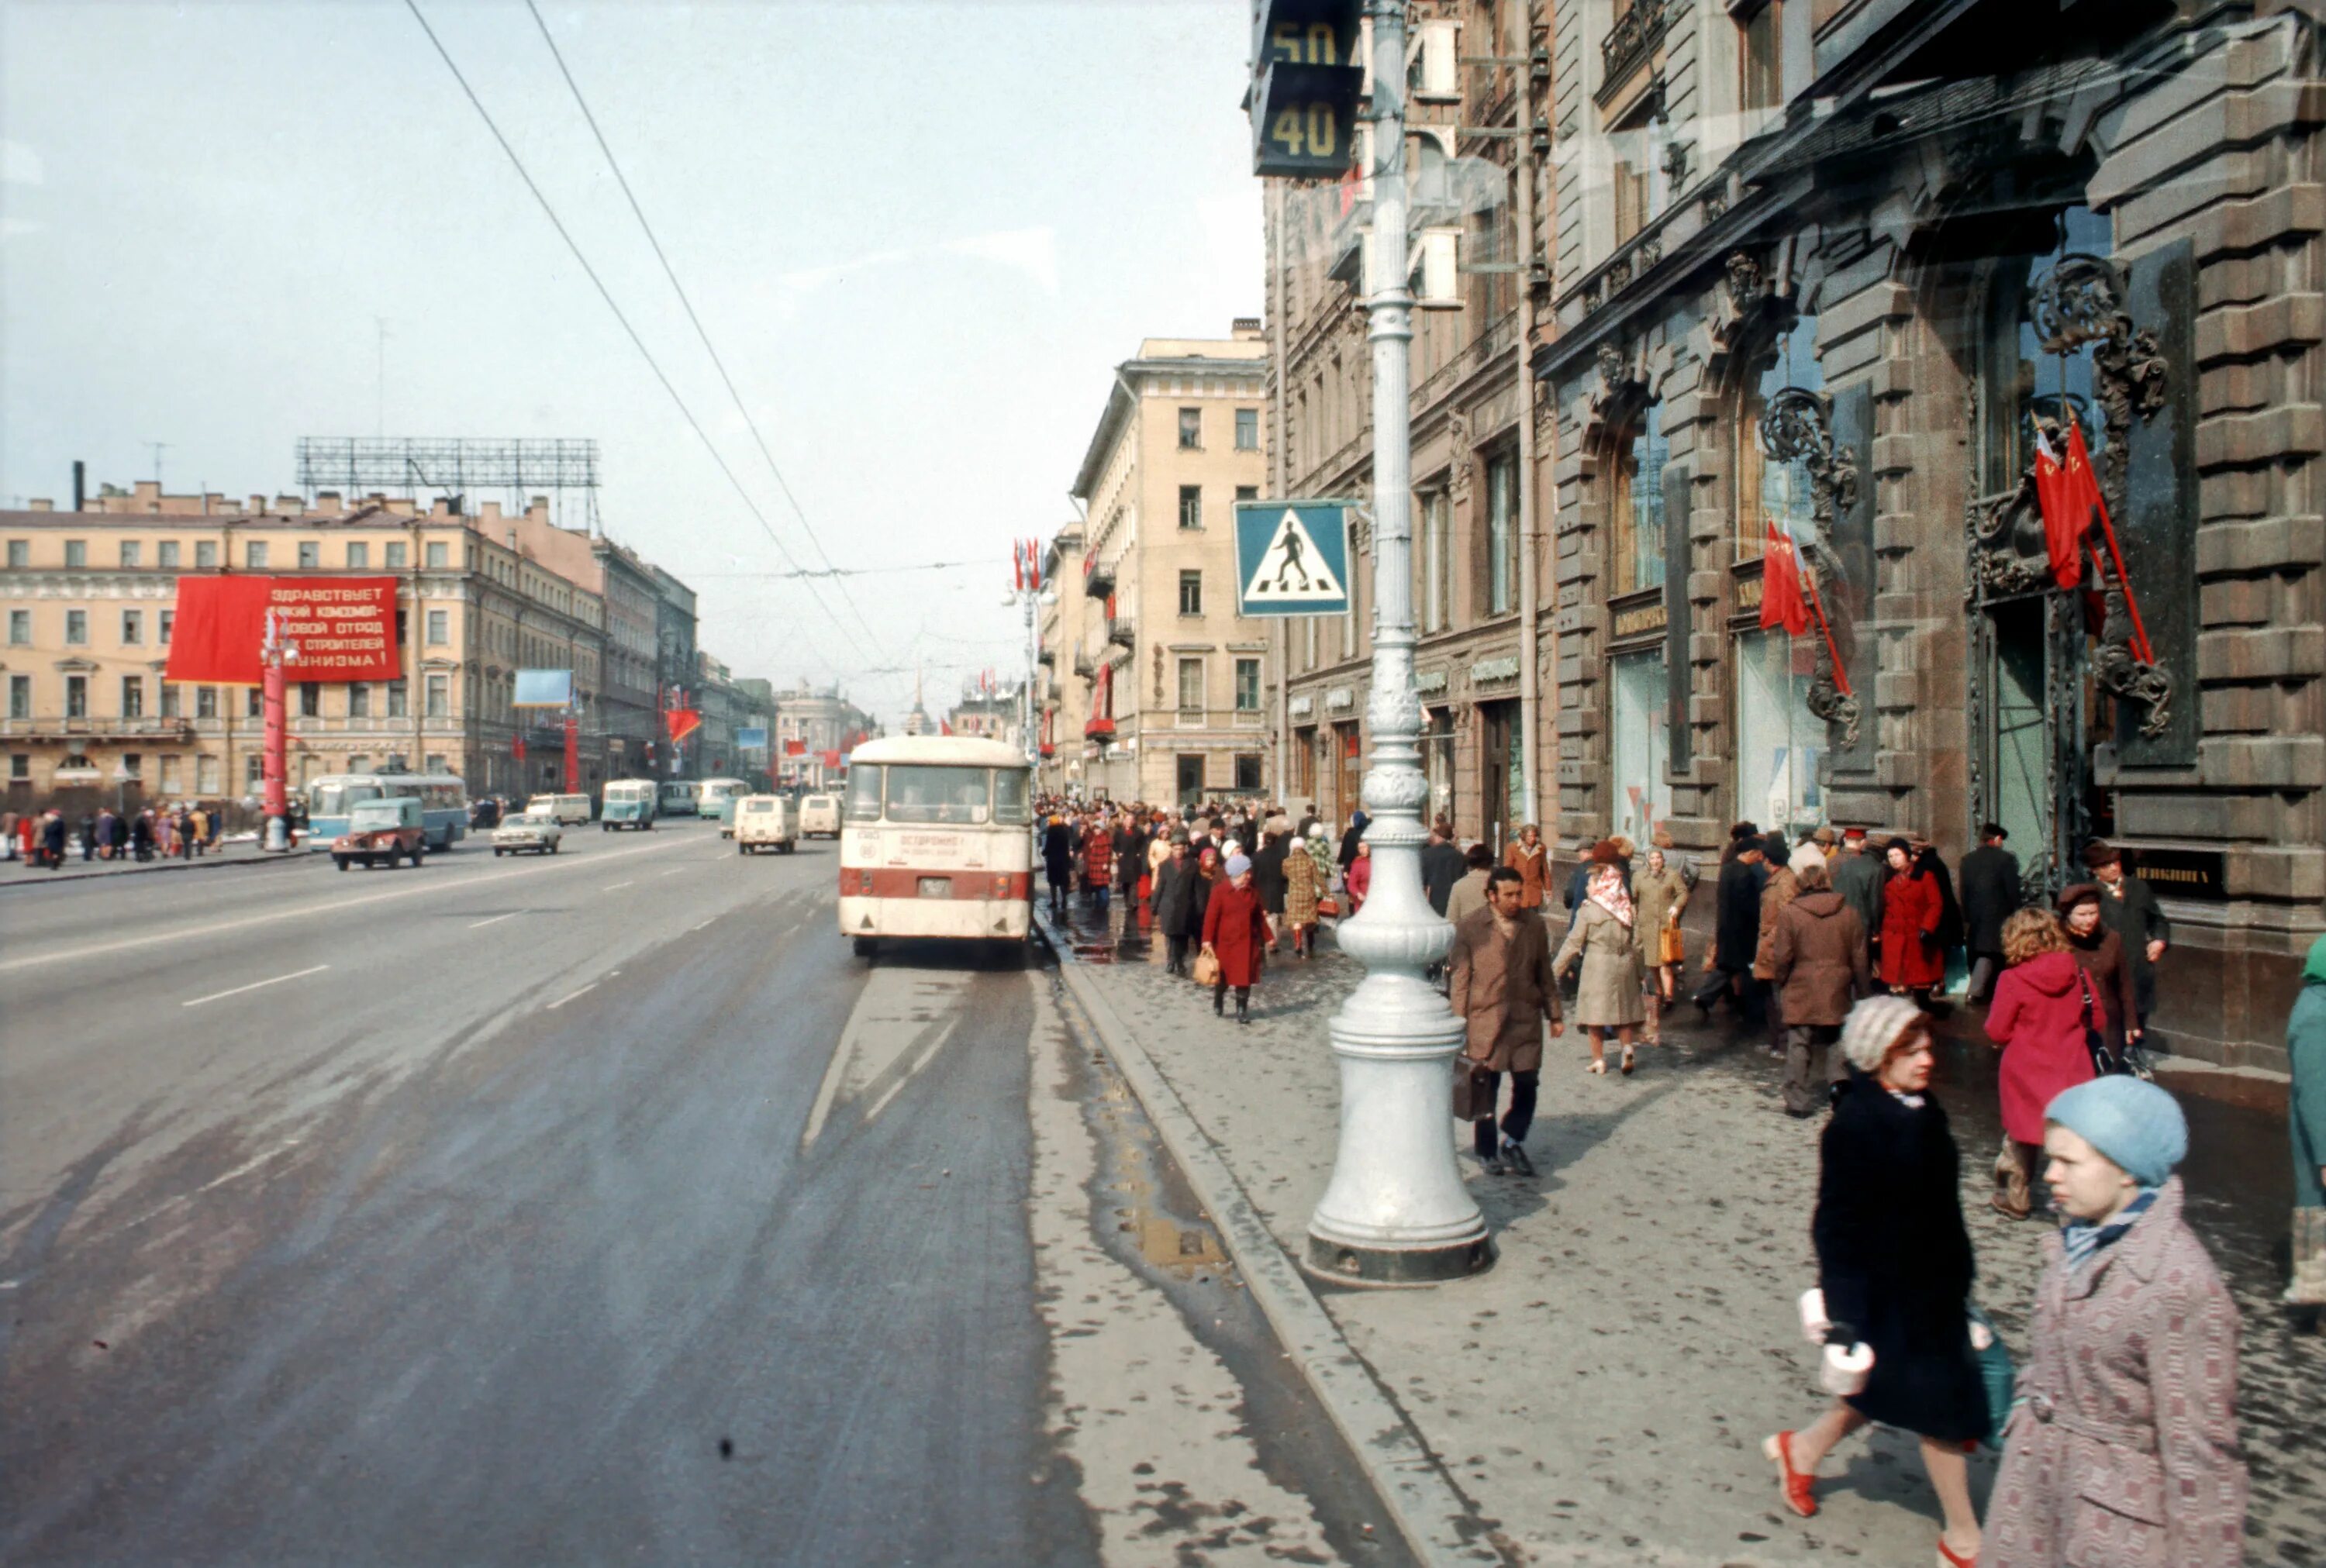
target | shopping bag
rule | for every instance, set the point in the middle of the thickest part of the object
(1206, 971)
(1994, 1370)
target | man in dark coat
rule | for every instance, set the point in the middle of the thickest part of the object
(1441, 866)
(1737, 932)
(1178, 912)
(52, 840)
(1268, 878)
(1349, 841)
(2130, 907)
(1857, 878)
(1129, 866)
(1989, 877)
(1058, 861)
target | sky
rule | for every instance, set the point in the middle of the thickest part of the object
(920, 237)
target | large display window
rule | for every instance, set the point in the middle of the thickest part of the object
(1779, 741)
(1642, 759)
(1636, 505)
(1769, 490)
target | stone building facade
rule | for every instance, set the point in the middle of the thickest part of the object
(1065, 695)
(814, 727)
(1481, 456)
(1838, 265)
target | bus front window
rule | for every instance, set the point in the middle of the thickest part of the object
(949, 797)
(1010, 807)
(864, 793)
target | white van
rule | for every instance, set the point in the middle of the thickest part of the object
(820, 814)
(568, 809)
(765, 821)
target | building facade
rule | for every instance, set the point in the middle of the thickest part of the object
(815, 727)
(1478, 107)
(1175, 678)
(1060, 621)
(1840, 265)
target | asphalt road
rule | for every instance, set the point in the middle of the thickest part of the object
(600, 1208)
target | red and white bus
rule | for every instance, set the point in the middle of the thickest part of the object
(936, 841)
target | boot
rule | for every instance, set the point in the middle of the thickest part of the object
(2308, 1286)
(1219, 1002)
(2012, 1197)
(1243, 1004)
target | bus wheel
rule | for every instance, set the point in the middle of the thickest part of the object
(866, 947)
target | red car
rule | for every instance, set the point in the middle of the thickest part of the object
(381, 834)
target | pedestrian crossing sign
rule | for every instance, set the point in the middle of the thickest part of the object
(1292, 558)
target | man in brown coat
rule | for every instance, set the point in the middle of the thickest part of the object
(1817, 958)
(1781, 888)
(1503, 991)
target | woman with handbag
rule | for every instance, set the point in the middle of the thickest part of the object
(2100, 951)
(2044, 1020)
(1660, 894)
(1304, 885)
(1913, 909)
(1895, 1268)
(1235, 930)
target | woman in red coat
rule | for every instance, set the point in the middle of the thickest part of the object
(1235, 928)
(2037, 1021)
(1912, 907)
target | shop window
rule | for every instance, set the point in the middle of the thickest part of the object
(1636, 505)
(1438, 761)
(1502, 533)
(1767, 490)
(1247, 773)
(1779, 741)
(1642, 759)
(20, 765)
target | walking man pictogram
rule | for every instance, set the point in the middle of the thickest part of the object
(1291, 540)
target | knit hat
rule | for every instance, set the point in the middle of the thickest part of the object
(2137, 1125)
(1873, 1027)
(1804, 857)
(1239, 863)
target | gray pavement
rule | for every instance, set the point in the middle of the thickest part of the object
(601, 1207)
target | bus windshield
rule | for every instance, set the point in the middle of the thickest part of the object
(336, 800)
(864, 793)
(951, 796)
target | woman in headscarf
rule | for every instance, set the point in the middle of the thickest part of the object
(1530, 858)
(2305, 1050)
(1913, 908)
(1660, 896)
(2123, 1446)
(1358, 822)
(1235, 930)
(1607, 996)
(1305, 880)
(1895, 1271)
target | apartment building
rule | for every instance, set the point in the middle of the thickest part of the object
(1061, 620)
(1836, 265)
(1176, 699)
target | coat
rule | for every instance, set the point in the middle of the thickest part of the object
(1658, 900)
(1058, 854)
(1736, 926)
(2123, 1450)
(1781, 888)
(1098, 858)
(1129, 859)
(1609, 995)
(2102, 957)
(1989, 878)
(1894, 1260)
(1235, 929)
(1503, 991)
(1858, 879)
(1359, 881)
(1268, 874)
(1179, 909)
(1818, 959)
(1442, 866)
(1303, 884)
(1469, 895)
(2305, 1053)
(1534, 866)
(1912, 907)
(1350, 838)
(2129, 910)
(2037, 1016)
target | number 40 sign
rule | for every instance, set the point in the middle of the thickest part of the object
(1304, 88)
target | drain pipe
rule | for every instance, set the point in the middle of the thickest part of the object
(1530, 672)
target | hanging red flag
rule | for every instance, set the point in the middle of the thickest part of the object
(684, 722)
(2066, 515)
(1780, 586)
(2079, 490)
(516, 748)
(795, 748)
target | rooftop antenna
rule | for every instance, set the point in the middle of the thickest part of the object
(159, 448)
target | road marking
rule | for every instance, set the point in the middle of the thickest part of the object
(672, 872)
(901, 1020)
(496, 919)
(255, 985)
(582, 992)
(614, 886)
(247, 1166)
(693, 929)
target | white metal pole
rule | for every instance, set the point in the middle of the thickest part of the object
(1395, 1211)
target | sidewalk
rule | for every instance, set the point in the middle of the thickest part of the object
(245, 853)
(1600, 1395)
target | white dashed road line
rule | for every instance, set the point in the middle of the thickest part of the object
(255, 985)
(572, 995)
(614, 886)
(496, 919)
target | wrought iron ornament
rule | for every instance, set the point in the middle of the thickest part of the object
(1797, 427)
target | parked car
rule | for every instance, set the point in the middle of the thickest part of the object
(536, 828)
(820, 817)
(765, 821)
(380, 832)
(574, 809)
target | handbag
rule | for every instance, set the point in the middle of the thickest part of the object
(1328, 905)
(1995, 1372)
(1473, 1091)
(1671, 946)
(1206, 970)
(2105, 1061)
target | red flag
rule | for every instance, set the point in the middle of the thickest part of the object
(516, 748)
(795, 748)
(2066, 511)
(1780, 586)
(684, 722)
(944, 727)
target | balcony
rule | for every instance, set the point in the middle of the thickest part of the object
(1048, 655)
(1628, 45)
(97, 729)
(1121, 632)
(1098, 728)
(1098, 577)
(1085, 665)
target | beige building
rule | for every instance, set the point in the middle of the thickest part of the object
(1064, 693)
(1174, 681)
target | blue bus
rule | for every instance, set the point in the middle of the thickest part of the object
(443, 802)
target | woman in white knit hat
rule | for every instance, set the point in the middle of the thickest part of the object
(1894, 1269)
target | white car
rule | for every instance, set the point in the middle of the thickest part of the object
(820, 817)
(536, 829)
(764, 822)
(574, 809)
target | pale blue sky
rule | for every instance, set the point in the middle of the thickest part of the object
(921, 235)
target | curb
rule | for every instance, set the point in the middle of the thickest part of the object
(1438, 1524)
(207, 863)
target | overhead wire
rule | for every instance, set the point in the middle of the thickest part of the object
(638, 211)
(582, 259)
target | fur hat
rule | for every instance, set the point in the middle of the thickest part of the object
(1873, 1027)
(2075, 894)
(1826, 836)
(2099, 853)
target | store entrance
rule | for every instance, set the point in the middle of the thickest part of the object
(2042, 715)
(1498, 725)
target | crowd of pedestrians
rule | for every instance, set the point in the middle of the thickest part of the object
(183, 830)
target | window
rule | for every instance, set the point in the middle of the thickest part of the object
(1437, 560)
(311, 555)
(1642, 745)
(206, 703)
(132, 696)
(1191, 593)
(1247, 772)
(20, 628)
(206, 776)
(1768, 491)
(133, 628)
(1502, 533)
(172, 781)
(19, 765)
(166, 553)
(310, 700)
(1760, 59)
(253, 555)
(76, 696)
(1191, 430)
(254, 770)
(434, 762)
(1246, 685)
(133, 552)
(77, 628)
(1191, 505)
(19, 696)
(75, 552)
(1637, 513)
(171, 704)
(1247, 492)
(956, 797)
(169, 625)
(1779, 741)
(440, 556)
(132, 763)
(254, 702)
(1191, 686)
(398, 700)
(359, 556)
(438, 623)
(440, 697)
(360, 700)
(205, 555)
(20, 554)
(1246, 430)
(1638, 147)
(397, 556)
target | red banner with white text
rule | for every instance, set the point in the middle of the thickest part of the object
(342, 627)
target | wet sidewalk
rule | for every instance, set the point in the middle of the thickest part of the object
(1601, 1394)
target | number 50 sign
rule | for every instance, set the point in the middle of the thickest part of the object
(1305, 86)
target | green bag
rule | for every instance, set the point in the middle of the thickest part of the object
(1997, 1372)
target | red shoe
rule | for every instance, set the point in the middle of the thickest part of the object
(1798, 1489)
(1948, 1558)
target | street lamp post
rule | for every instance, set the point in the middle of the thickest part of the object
(1395, 1211)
